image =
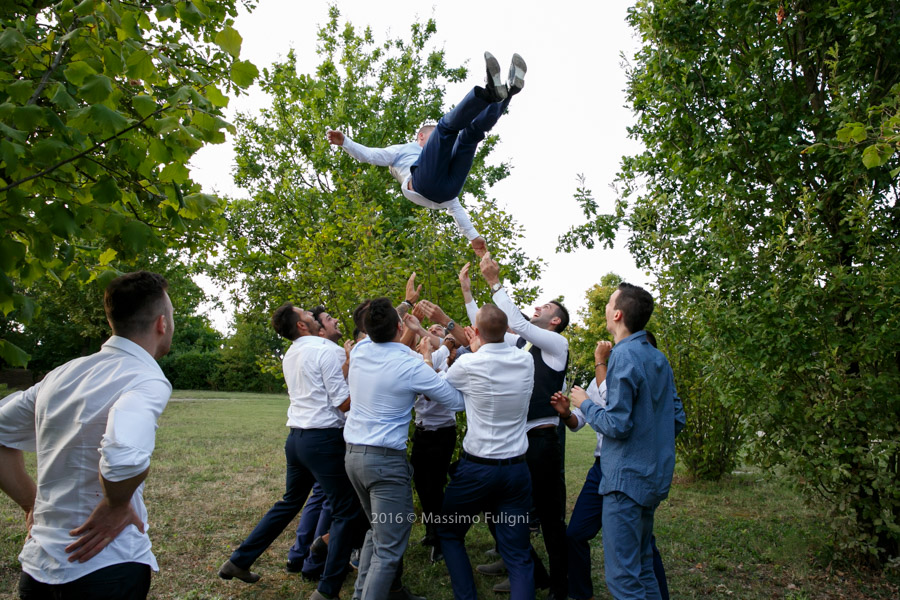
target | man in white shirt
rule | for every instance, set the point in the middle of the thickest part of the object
(384, 381)
(433, 169)
(319, 399)
(542, 338)
(496, 381)
(86, 515)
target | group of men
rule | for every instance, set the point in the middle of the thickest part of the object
(349, 417)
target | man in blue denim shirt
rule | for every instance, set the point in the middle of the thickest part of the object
(638, 457)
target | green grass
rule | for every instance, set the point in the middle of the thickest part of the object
(219, 465)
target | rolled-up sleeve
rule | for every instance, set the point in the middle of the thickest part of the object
(17, 420)
(131, 430)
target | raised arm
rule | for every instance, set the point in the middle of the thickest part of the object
(553, 345)
(381, 157)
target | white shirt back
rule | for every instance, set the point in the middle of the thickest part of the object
(315, 382)
(496, 383)
(93, 414)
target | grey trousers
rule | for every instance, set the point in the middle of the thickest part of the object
(382, 478)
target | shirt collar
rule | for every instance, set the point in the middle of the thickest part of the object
(127, 346)
(495, 347)
(635, 336)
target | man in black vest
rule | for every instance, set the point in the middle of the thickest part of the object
(541, 338)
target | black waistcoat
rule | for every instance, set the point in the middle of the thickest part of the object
(546, 383)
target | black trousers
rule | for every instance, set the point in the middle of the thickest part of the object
(548, 490)
(431, 454)
(125, 581)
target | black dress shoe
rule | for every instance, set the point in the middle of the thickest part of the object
(403, 594)
(293, 567)
(494, 89)
(229, 570)
(515, 81)
(319, 547)
(496, 568)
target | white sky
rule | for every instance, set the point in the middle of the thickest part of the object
(569, 119)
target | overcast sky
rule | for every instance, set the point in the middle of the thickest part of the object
(569, 119)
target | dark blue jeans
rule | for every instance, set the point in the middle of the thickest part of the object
(125, 581)
(503, 492)
(584, 525)
(312, 455)
(315, 520)
(441, 170)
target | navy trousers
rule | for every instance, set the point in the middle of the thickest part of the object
(503, 492)
(125, 581)
(315, 520)
(312, 455)
(430, 458)
(545, 463)
(441, 170)
(584, 525)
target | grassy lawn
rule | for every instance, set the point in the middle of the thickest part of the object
(219, 465)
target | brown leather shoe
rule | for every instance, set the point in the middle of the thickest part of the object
(229, 570)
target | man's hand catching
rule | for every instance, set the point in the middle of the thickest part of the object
(101, 528)
(577, 396)
(490, 269)
(560, 402)
(479, 246)
(335, 138)
(412, 292)
(434, 313)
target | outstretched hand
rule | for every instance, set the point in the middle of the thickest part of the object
(103, 526)
(560, 402)
(465, 282)
(412, 292)
(434, 313)
(602, 351)
(474, 341)
(490, 269)
(335, 138)
(479, 246)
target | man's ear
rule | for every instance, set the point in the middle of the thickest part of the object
(162, 325)
(555, 321)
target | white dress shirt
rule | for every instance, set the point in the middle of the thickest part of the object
(433, 415)
(400, 158)
(598, 397)
(496, 383)
(554, 347)
(96, 414)
(384, 381)
(315, 383)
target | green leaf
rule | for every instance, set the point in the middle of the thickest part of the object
(48, 150)
(62, 99)
(215, 96)
(11, 41)
(166, 11)
(876, 155)
(135, 235)
(24, 308)
(20, 91)
(176, 172)
(106, 191)
(107, 257)
(77, 71)
(229, 40)
(59, 219)
(243, 73)
(96, 88)
(11, 253)
(13, 355)
(144, 105)
(26, 118)
(85, 8)
(139, 65)
(107, 118)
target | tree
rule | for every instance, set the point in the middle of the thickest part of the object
(102, 104)
(767, 203)
(320, 228)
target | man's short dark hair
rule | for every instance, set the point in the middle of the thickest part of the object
(284, 321)
(492, 323)
(381, 320)
(134, 301)
(359, 316)
(636, 305)
(318, 311)
(563, 315)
